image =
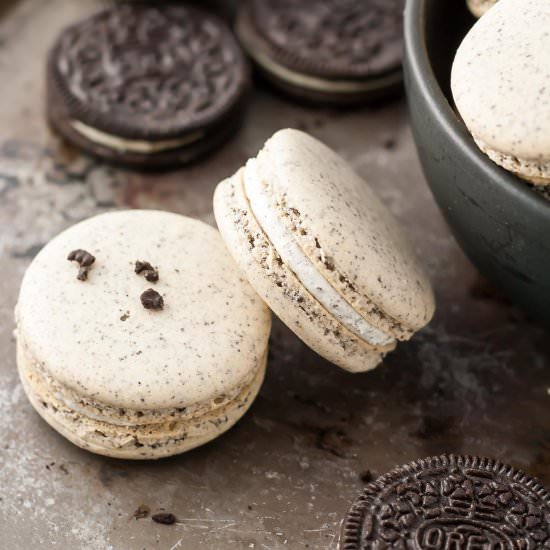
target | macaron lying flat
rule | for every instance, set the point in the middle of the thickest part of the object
(480, 7)
(501, 86)
(147, 85)
(146, 345)
(335, 51)
(324, 253)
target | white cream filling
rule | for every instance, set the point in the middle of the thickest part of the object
(312, 82)
(91, 409)
(133, 145)
(297, 261)
(87, 426)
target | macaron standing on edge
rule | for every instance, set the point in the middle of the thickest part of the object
(148, 344)
(169, 89)
(336, 51)
(501, 87)
(323, 252)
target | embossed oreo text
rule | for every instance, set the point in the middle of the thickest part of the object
(461, 535)
(450, 503)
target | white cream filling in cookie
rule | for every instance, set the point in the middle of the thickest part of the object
(312, 82)
(133, 145)
(304, 269)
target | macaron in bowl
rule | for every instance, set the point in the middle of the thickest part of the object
(501, 86)
(480, 7)
(499, 221)
(322, 250)
(147, 342)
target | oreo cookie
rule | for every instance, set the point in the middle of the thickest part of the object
(148, 85)
(328, 51)
(450, 503)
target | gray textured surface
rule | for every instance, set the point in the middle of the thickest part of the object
(475, 381)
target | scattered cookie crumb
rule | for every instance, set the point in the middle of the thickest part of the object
(141, 512)
(125, 316)
(151, 299)
(84, 260)
(166, 518)
(151, 273)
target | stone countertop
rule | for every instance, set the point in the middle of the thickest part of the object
(474, 382)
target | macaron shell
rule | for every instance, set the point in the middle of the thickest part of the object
(340, 219)
(480, 7)
(278, 286)
(151, 441)
(96, 338)
(501, 84)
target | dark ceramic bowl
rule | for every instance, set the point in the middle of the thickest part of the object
(501, 224)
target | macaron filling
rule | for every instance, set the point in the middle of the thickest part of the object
(535, 171)
(107, 426)
(297, 261)
(133, 145)
(119, 416)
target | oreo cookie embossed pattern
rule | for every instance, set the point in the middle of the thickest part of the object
(450, 503)
(144, 85)
(334, 50)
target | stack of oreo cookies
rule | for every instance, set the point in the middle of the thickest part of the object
(154, 85)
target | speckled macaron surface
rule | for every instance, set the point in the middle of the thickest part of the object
(140, 360)
(501, 86)
(323, 251)
(480, 7)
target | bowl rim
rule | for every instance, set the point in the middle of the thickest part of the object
(420, 68)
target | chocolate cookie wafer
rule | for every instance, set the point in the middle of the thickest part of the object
(147, 85)
(329, 51)
(447, 503)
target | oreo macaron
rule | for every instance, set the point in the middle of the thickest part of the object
(331, 51)
(480, 7)
(147, 84)
(137, 336)
(322, 250)
(450, 502)
(501, 86)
